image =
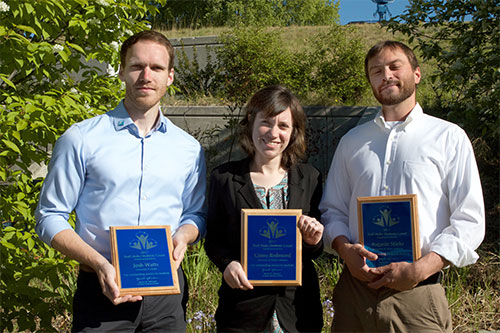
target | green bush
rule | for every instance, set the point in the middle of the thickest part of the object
(253, 58)
(195, 81)
(44, 88)
(329, 70)
(335, 67)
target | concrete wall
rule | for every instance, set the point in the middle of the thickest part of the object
(209, 124)
(326, 125)
(204, 46)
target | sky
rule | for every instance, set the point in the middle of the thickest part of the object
(363, 10)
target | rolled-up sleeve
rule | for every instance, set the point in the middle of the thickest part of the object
(457, 242)
(61, 187)
(334, 205)
(193, 197)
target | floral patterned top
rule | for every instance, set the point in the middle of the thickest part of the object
(277, 196)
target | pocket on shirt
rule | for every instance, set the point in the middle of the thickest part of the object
(421, 177)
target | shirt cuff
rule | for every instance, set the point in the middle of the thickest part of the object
(453, 250)
(332, 231)
(200, 225)
(51, 226)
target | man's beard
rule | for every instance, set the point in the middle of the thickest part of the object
(406, 90)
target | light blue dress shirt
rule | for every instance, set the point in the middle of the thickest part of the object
(111, 176)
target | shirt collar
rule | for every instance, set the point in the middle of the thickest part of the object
(121, 119)
(414, 115)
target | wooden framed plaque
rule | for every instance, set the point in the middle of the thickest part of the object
(142, 257)
(388, 226)
(271, 246)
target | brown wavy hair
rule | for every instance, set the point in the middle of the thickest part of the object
(149, 35)
(272, 101)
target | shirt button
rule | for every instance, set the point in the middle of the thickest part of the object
(388, 162)
(386, 187)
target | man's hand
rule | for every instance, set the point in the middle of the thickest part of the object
(107, 278)
(185, 235)
(355, 256)
(404, 276)
(397, 275)
(71, 245)
(311, 229)
(235, 277)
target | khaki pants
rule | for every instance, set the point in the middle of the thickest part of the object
(359, 308)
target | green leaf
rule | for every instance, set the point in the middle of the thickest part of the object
(76, 47)
(6, 80)
(22, 124)
(29, 8)
(31, 243)
(25, 28)
(64, 55)
(9, 245)
(16, 135)
(11, 145)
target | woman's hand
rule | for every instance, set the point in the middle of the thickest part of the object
(235, 277)
(311, 229)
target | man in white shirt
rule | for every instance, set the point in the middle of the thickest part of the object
(402, 151)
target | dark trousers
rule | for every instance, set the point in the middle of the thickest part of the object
(94, 312)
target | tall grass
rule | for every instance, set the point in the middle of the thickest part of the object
(473, 292)
(203, 281)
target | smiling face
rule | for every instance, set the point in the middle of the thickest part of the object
(271, 135)
(392, 78)
(146, 75)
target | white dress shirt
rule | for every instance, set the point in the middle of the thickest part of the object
(423, 155)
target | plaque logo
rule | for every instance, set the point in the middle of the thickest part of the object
(385, 219)
(272, 231)
(142, 242)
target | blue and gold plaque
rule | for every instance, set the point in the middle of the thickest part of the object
(271, 246)
(142, 257)
(388, 227)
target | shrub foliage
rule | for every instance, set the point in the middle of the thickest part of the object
(329, 70)
(48, 82)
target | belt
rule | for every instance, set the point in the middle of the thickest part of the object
(433, 279)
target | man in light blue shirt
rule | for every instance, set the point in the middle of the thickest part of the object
(129, 167)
